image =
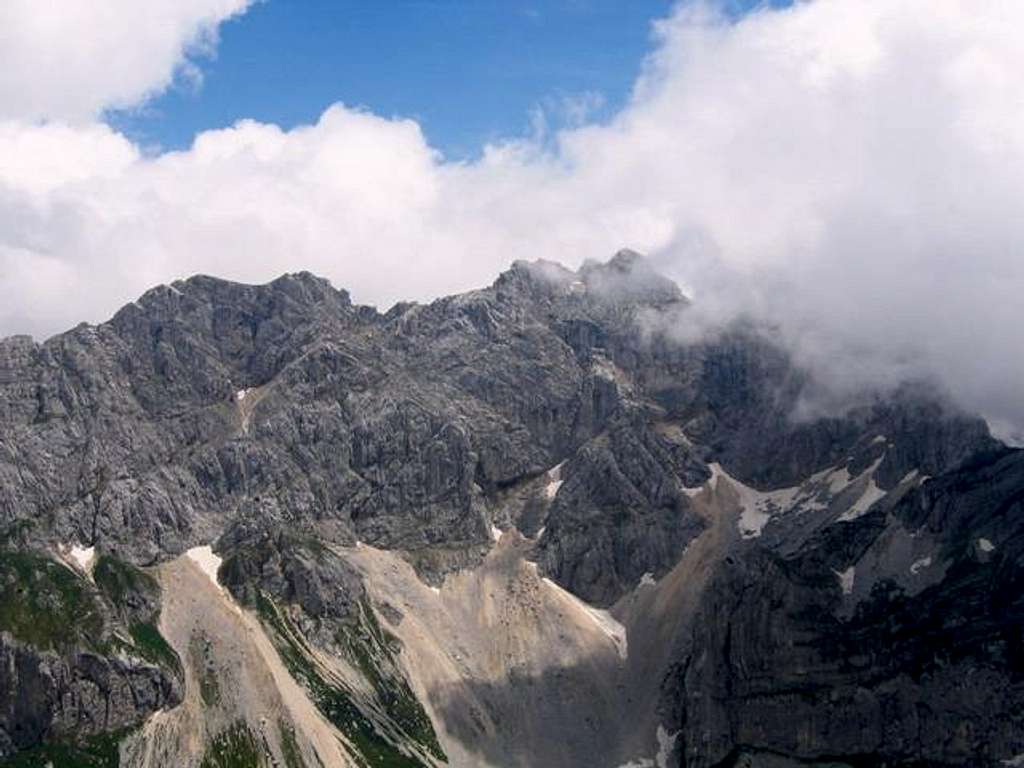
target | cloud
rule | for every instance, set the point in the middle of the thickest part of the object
(71, 60)
(849, 172)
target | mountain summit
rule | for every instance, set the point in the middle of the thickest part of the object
(262, 525)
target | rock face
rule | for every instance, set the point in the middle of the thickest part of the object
(913, 658)
(53, 697)
(78, 659)
(622, 513)
(843, 588)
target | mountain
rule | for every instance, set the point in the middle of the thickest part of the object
(528, 525)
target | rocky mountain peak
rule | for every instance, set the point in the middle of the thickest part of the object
(630, 277)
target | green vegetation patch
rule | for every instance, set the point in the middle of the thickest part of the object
(119, 581)
(46, 604)
(370, 647)
(136, 595)
(100, 751)
(235, 747)
(331, 697)
(151, 645)
(289, 746)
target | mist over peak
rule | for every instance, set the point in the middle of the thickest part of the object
(845, 172)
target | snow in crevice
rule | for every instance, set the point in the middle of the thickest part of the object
(837, 479)
(756, 506)
(495, 532)
(878, 439)
(910, 477)
(872, 493)
(919, 565)
(83, 557)
(846, 579)
(666, 743)
(867, 499)
(240, 394)
(985, 545)
(647, 580)
(691, 492)
(697, 489)
(601, 618)
(554, 481)
(207, 561)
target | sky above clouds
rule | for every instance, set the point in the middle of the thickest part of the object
(849, 171)
(468, 71)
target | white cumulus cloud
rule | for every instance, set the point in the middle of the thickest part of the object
(70, 59)
(848, 171)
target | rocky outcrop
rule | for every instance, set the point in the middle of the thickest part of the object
(78, 661)
(292, 568)
(620, 513)
(69, 698)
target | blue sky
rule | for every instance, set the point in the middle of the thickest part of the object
(469, 71)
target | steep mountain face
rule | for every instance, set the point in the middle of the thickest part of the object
(891, 637)
(525, 525)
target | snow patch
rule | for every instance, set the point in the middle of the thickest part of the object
(540, 532)
(985, 545)
(846, 579)
(910, 476)
(647, 580)
(666, 743)
(919, 565)
(554, 481)
(878, 439)
(240, 394)
(83, 556)
(838, 479)
(1016, 761)
(207, 561)
(813, 495)
(602, 618)
(871, 494)
(495, 532)
(691, 492)
(756, 506)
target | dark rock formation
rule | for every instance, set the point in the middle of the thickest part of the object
(621, 513)
(77, 661)
(292, 568)
(924, 670)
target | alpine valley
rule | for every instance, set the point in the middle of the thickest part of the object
(529, 525)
